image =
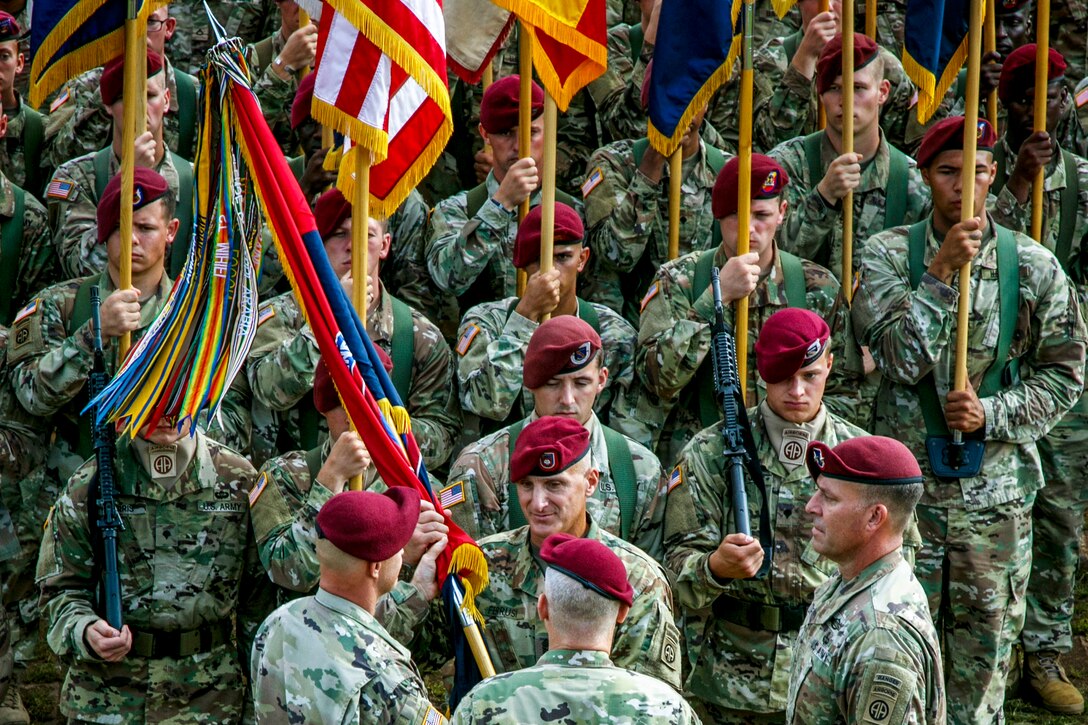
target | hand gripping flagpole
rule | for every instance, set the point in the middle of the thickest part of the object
(847, 96)
(525, 122)
(744, 186)
(134, 123)
(1042, 65)
(360, 236)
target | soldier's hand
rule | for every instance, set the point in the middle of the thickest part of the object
(300, 48)
(348, 457)
(541, 295)
(146, 146)
(652, 165)
(964, 410)
(120, 312)
(1035, 153)
(430, 529)
(820, 30)
(649, 25)
(425, 578)
(315, 179)
(739, 276)
(737, 557)
(989, 74)
(482, 163)
(520, 181)
(960, 246)
(3, 126)
(842, 177)
(107, 642)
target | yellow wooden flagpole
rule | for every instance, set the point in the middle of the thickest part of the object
(675, 170)
(360, 228)
(870, 16)
(848, 147)
(744, 188)
(989, 45)
(821, 114)
(1042, 63)
(547, 196)
(525, 121)
(135, 124)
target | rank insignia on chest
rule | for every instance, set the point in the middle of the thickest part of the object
(452, 495)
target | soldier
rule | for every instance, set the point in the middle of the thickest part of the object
(1058, 514)
(564, 370)
(26, 247)
(249, 20)
(284, 356)
(586, 594)
(674, 334)
(975, 530)
(21, 150)
(471, 235)
(326, 658)
(78, 184)
(187, 566)
(494, 335)
(867, 651)
(741, 631)
(617, 93)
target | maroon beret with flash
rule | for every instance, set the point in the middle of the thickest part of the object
(829, 64)
(568, 230)
(789, 340)
(367, 525)
(590, 563)
(548, 446)
(768, 181)
(330, 210)
(304, 99)
(563, 344)
(499, 106)
(147, 187)
(1018, 72)
(874, 460)
(112, 83)
(9, 27)
(947, 135)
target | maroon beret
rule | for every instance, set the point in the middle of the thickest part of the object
(147, 187)
(548, 446)
(947, 135)
(1010, 6)
(590, 563)
(112, 83)
(829, 64)
(330, 210)
(568, 230)
(768, 180)
(789, 340)
(868, 459)
(1018, 72)
(563, 344)
(9, 27)
(304, 99)
(499, 106)
(367, 525)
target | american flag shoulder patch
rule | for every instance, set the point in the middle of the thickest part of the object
(433, 717)
(650, 294)
(465, 342)
(60, 100)
(258, 489)
(266, 314)
(26, 312)
(452, 495)
(60, 189)
(1082, 96)
(675, 479)
(595, 177)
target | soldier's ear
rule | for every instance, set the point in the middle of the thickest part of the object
(542, 607)
(624, 609)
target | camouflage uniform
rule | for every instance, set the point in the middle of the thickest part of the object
(326, 659)
(617, 92)
(732, 665)
(36, 264)
(186, 561)
(1069, 35)
(281, 371)
(867, 652)
(14, 164)
(1058, 515)
(250, 20)
(975, 530)
(890, 23)
(674, 339)
(73, 212)
(483, 469)
(627, 218)
(491, 355)
(577, 686)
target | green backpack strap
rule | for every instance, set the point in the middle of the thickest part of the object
(961, 83)
(309, 424)
(636, 37)
(515, 515)
(81, 312)
(1002, 176)
(314, 462)
(179, 250)
(709, 413)
(297, 164)
(475, 199)
(186, 112)
(263, 52)
(794, 273)
(813, 156)
(101, 170)
(1069, 200)
(11, 242)
(622, 468)
(33, 134)
(790, 44)
(403, 348)
(896, 192)
(588, 313)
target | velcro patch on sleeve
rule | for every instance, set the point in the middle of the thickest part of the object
(27, 311)
(258, 489)
(595, 177)
(675, 479)
(432, 717)
(650, 294)
(62, 189)
(452, 495)
(465, 341)
(1082, 96)
(267, 313)
(60, 100)
(885, 694)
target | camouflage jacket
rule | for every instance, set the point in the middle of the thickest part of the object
(627, 218)
(577, 686)
(477, 252)
(281, 369)
(617, 92)
(186, 560)
(73, 212)
(674, 338)
(13, 161)
(813, 228)
(36, 264)
(249, 20)
(730, 665)
(868, 652)
(326, 659)
(646, 642)
(491, 356)
(912, 332)
(482, 506)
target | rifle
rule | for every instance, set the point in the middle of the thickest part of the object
(738, 445)
(108, 521)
